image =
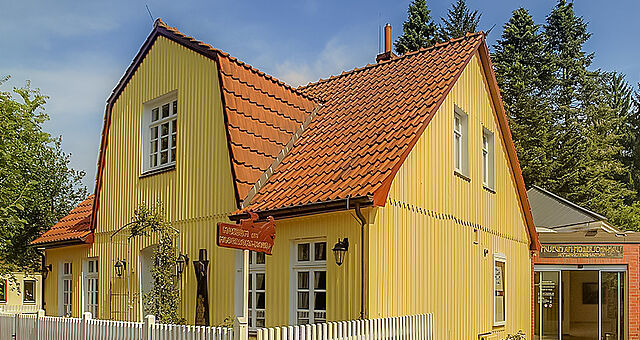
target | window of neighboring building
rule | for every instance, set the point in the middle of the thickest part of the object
(499, 296)
(257, 294)
(161, 133)
(487, 159)
(66, 281)
(3, 290)
(29, 291)
(91, 287)
(310, 275)
(460, 142)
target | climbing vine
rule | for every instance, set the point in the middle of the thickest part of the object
(163, 299)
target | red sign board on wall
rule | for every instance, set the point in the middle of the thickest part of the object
(248, 235)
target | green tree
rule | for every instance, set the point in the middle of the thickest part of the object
(459, 21)
(419, 31)
(37, 185)
(523, 74)
(163, 299)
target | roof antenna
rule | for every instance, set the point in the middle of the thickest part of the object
(148, 10)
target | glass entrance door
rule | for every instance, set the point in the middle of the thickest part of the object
(580, 304)
(612, 325)
(547, 309)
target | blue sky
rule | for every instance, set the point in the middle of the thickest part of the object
(76, 51)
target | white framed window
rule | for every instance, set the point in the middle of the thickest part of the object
(66, 289)
(499, 289)
(460, 142)
(29, 291)
(257, 291)
(487, 159)
(91, 276)
(309, 282)
(161, 133)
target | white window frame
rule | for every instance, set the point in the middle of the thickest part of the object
(460, 142)
(24, 291)
(65, 309)
(3, 287)
(149, 124)
(313, 266)
(90, 284)
(501, 258)
(488, 162)
(256, 269)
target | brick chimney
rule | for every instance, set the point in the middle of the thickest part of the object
(387, 54)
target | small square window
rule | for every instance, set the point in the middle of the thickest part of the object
(320, 251)
(303, 252)
(29, 293)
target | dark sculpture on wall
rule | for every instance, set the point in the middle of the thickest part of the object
(202, 294)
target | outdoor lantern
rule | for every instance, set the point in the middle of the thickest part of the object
(340, 249)
(45, 271)
(120, 267)
(181, 262)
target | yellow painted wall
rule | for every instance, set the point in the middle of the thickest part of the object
(423, 256)
(343, 282)
(196, 195)
(56, 257)
(15, 291)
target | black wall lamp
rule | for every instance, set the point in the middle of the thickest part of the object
(181, 263)
(120, 267)
(340, 249)
(46, 270)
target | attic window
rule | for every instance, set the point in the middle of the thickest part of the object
(460, 143)
(160, 135)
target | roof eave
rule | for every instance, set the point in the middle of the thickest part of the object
(342, 204)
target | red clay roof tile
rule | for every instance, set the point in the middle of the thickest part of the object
(75, 227)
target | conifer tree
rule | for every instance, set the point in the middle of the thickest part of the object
(419, 31)
(460, 20)
(522, 71)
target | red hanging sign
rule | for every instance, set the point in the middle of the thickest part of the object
(248, 235)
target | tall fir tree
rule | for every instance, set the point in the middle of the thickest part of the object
(459, 21)
(523, 74)
(419, 31)
(565, 34)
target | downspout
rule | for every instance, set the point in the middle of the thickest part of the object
(363, 222)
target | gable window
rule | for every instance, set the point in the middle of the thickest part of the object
(310, 282)
(91, 286)
(29, 291)
(499, 295)
(66, 293)
(160, 137)
(257, 293)
(487, 159)
(460, 142)
(3, 290)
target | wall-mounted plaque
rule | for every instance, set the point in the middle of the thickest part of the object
(581, 251)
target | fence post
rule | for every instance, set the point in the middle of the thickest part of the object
(147, 328)
(38, 321)
(14, 333)
(84, 324)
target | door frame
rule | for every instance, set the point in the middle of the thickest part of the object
(587, 267)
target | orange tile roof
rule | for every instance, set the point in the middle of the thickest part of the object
(370, 120)
(73, 228)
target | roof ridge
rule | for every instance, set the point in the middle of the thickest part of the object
(385, 62)
(161, 24)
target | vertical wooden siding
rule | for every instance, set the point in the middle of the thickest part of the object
(423, 258)
(196, 195)
(55, 257)
(343, 282)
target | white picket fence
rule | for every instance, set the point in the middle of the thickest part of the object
(15, 309)
(399, 328)
(40, 327)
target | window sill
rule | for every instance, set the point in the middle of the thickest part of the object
(499, 324)
(464, 177)
(488, 189)
(156, 171)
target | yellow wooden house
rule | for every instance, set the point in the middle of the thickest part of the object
(407, 164)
